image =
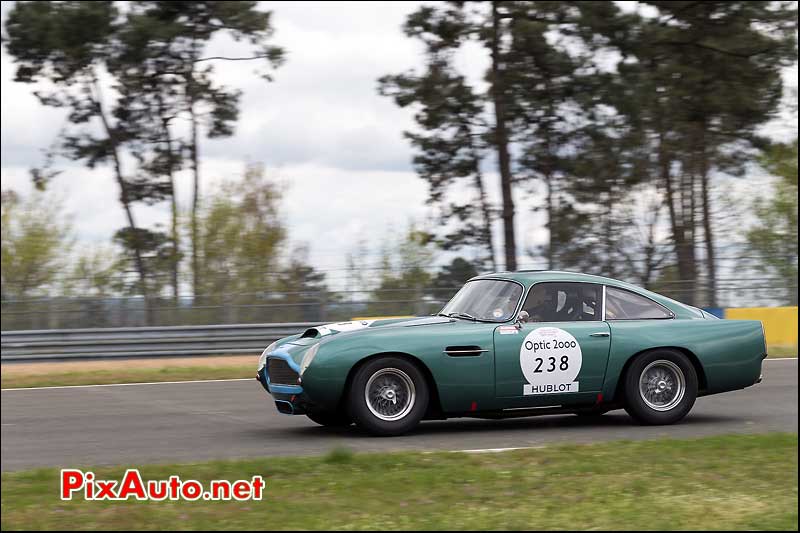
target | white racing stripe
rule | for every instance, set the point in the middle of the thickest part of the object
(228, 380)
(129, 384)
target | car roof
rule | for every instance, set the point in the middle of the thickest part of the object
(529, 277)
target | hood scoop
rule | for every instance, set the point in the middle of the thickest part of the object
(310, 333)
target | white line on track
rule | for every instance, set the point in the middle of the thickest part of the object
(129, 384)
(218, 381)
(497, 450)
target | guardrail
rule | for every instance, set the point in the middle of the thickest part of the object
(163, 341)
(241, 339)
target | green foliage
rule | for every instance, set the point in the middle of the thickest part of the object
(449, 147)
(454, 275)
(156, 251)
(93, 273)
(545, 99)
(304, 294)
(59, 41)
(165, 74)
(36, 239)
(451, 278)
(405, 274)
(774, 237)
(694, 83)
(154, 54)
(706, 75)
(240, 235)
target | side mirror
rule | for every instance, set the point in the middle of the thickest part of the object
(522, 318)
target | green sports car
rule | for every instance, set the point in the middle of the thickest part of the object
(515, 344)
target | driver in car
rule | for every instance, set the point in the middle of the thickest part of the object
(539, 304)
(506, 308)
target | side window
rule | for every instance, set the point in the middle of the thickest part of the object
(563, 302)
(626, 305)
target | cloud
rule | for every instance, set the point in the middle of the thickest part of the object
(320, 127)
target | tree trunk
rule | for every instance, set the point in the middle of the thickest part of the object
(174, 215)
(608, 237)
(684, 248)
(711, 288)
(123, 194)
(195, 199)
(689, 224)
(487, 218)
(165, 120)
(501, 143)
(549, 166)
(486, 211)
(550, 222)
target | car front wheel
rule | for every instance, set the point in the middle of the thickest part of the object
(388, 396)
(660, 387)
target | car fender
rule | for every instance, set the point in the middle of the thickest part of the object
(729, 352)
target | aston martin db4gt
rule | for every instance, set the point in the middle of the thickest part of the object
(516, 344)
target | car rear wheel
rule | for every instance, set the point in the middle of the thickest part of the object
(660, 387)
(388, 396)
(330, 418)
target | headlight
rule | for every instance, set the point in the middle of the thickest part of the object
(262, 361)
(308, 357)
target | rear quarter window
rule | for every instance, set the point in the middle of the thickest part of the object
(626, 305)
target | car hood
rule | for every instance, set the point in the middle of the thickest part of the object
(296, 346)
(318, 333)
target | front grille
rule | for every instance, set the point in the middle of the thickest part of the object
(280, 373)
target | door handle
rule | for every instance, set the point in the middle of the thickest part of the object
(600, 334)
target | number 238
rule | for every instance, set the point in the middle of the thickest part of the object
(553, 364)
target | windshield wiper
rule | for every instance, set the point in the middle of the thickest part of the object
(463, 315)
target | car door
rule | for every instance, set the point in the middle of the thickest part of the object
(560, 355)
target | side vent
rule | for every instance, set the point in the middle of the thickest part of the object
(464, 351)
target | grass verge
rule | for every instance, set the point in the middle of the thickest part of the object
(782, 351)
(129, 371)
(145, 375)
(728, 482)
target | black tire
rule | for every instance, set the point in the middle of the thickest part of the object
(675, 367)
(332, 419)
(410, 405)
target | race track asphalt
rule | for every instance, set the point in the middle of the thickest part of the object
(185, 422)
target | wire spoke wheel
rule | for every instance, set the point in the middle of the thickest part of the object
(662, 385)
(390, 394)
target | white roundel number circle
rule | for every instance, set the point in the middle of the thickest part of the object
(551, 360)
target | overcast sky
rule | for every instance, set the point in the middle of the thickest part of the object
(320, 129)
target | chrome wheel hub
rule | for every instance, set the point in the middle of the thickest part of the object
(662, 385)
(390, 394)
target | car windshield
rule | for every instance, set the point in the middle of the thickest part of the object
(485, 299)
